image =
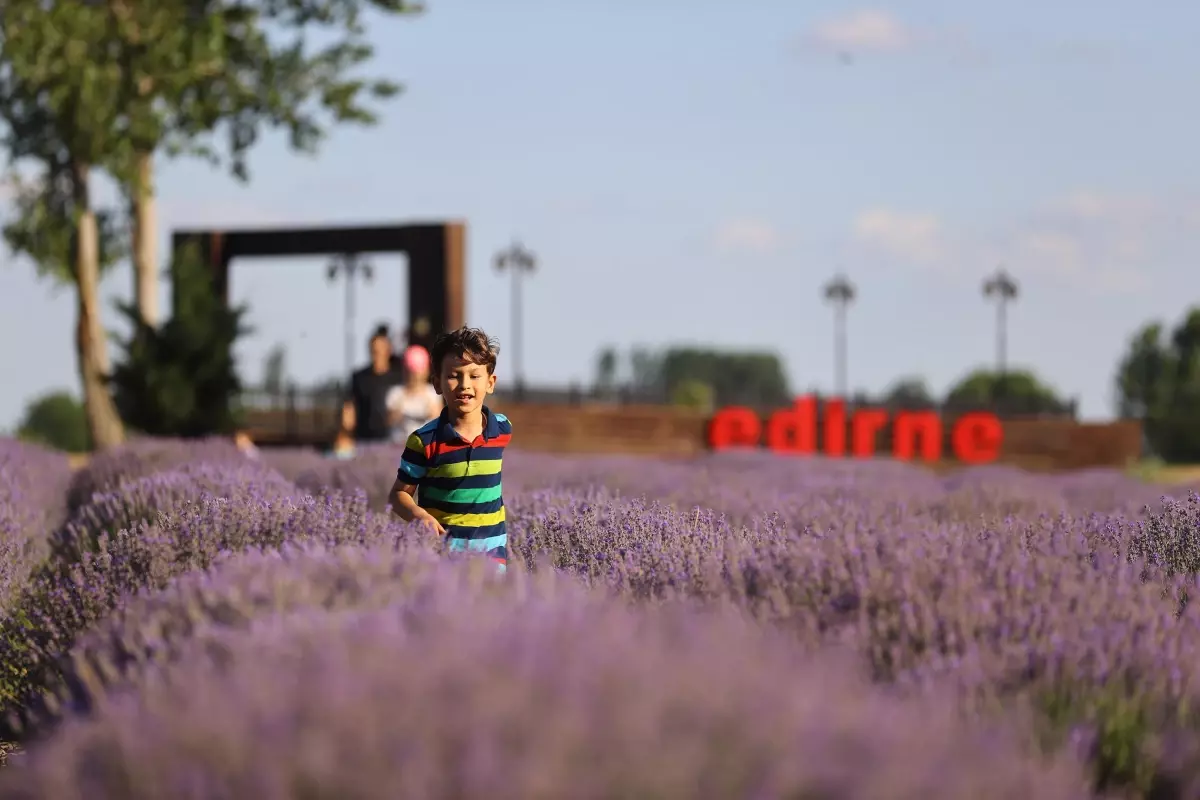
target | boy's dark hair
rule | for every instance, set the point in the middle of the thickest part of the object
(469, 344)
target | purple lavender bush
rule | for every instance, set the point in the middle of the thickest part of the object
(33, 483)
(1070, 614)
(162, 494)
(538, 692)
(152, 627)
(139, 458)
(1066, 595)
(67, 599)
(372, 470)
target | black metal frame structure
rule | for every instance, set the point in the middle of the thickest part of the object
(436, 252)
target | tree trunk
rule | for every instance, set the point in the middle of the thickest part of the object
(103, 421)
(145, 242)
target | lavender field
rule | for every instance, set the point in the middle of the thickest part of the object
(178, 621)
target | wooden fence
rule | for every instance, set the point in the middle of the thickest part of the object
(1054, 443)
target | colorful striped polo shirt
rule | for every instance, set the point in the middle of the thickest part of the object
(458, 482)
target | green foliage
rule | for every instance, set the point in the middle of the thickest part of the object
(195, 68)
(694, 395)
(910, 394)
(274, 380)
(645, 368)
(41, 226)
(56, 420)
(606, 369)
(1124, 753)
(745, 378)
(57, 100)
(1017, 392)
(1158, 381)
(181, 379)
(60, 90)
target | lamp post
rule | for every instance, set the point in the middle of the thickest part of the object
(516, 259)
(349, 267)
(1001, 287)
(841, 293)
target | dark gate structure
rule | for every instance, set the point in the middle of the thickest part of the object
(436, 252)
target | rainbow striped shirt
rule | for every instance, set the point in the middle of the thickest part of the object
(458, 482)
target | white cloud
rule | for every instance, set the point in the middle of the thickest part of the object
(1102, 241)
(1100, 206)
(867, 30)
(915, 238)
(1055, 251)
(747, 235)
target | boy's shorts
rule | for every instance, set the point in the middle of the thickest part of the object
(498, 554)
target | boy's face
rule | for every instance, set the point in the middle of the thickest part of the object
(463, 384)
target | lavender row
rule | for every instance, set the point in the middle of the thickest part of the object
(33, 483)
(993, 588)
(530, 690)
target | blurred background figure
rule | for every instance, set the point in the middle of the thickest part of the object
(343, 447)
(369, 389)
(245, 444)
(415, 402)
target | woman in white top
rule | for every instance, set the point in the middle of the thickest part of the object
(416, 402)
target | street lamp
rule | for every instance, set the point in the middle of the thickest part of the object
(350, 267)
(841, 293)
(1001, 287)
(517, 260)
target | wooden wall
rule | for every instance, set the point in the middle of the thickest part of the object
(1042, 444)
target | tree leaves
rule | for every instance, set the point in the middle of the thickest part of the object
(1158, 381)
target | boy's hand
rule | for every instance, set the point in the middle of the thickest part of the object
(425, 518)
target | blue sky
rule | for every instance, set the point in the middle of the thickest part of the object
(693, 172)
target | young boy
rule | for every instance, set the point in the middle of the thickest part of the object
(449, 475)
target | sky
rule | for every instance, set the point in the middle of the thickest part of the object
(695, 172)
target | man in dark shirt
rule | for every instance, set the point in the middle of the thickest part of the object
(369, 387)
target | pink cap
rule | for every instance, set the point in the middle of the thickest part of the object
(416, 359)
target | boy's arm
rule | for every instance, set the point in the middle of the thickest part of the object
(413, 467)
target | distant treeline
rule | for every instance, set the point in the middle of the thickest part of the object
(710, 378)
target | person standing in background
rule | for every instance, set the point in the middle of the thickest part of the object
(365, 410)
(245, 444)
(415, 402)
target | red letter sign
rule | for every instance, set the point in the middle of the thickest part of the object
(904, 435)
(794, 430)
(734, 427)
(977, 438)
(864, 427)
(834, 423)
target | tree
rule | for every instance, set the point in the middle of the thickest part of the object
(1023, 394)
(736, 378)
(180, 380)
(274, 380)
(191, 67)
(58, 95)
(646, 371)
(694, 395)
(105, 85)
(56, 420)
(1146, 375)
(1158, 382)
(911, 394)
(606, 370)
